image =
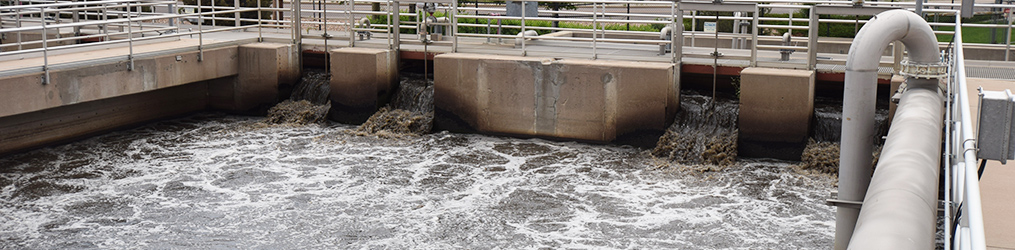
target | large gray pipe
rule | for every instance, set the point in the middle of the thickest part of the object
(919, 133)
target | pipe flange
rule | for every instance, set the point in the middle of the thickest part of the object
(926, 71)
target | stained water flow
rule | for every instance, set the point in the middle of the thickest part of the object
(703, 132)
(822, 151)
(410, 111)
(216, 181)
(309, 102)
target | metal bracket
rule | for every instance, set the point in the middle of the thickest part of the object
(897, 96)
(926, 71)
(835, 201)
(842, 203)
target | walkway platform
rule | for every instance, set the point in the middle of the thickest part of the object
(996, 186)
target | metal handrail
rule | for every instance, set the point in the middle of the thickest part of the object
(969, 233)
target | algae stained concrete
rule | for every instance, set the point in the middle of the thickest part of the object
(776, 105)
(590, 100)
(997, 186)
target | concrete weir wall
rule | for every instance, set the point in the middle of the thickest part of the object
(90, 99)
(361, 79)
(776, 108)
(571, 99)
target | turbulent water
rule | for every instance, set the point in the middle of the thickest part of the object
(217, 181)
(703, 132)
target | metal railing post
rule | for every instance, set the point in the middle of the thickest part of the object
(105, 19)
(523, 27)
(754, 37)
(236, 15)
(352, 22)
(260, 37)
(213, 16)
(171, 11)
(45, 49)
(454, 26)
(396, 25)
(1007, 41)
(812, 39)
(595, 28)
(17, 20)
(75, 17)
(675, 46)
(130, 38)
(694, 25)
(200, 32)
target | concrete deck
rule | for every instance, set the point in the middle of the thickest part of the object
(996, 186)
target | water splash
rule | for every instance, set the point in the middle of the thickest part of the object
(309, 102)
(410, 111)
(214, 181)
(703, 132)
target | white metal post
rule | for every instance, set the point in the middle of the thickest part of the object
(260, 37)
(200, 32)
(812, 39)
(523, 27)
(352, 22)
(130, 38)
(236, 15)
(45, 49)
(454, 26)
(754, 38)
(595, 29)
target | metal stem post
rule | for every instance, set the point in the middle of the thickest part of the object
(352, 22)
(200, 32)
(1007, 41)
(595, 22)
(17, 19)
(45, 49)
(523, 27)
(260, 37)
(454, 26)
(130, 38)
(396, 25)
(236, 15)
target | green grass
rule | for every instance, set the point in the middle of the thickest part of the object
(973, 35)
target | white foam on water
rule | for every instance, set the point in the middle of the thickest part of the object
(213, 181)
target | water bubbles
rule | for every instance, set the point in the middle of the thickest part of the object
(214, 181)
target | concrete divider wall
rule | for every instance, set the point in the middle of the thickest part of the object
(96, 98)
(776, 105)
(261, 68)
(26, 93)
(571, 99)
(362, 79)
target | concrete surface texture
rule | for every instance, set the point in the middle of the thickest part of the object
(361, 79)
(99, 97)
(776, 105)
(261, 68)
(996, 185)
(573, 99)
(26, 93)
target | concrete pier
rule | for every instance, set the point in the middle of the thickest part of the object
(572, 99)
(776, 105)
(362, 80)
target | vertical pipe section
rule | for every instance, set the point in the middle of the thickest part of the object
(921, 149)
